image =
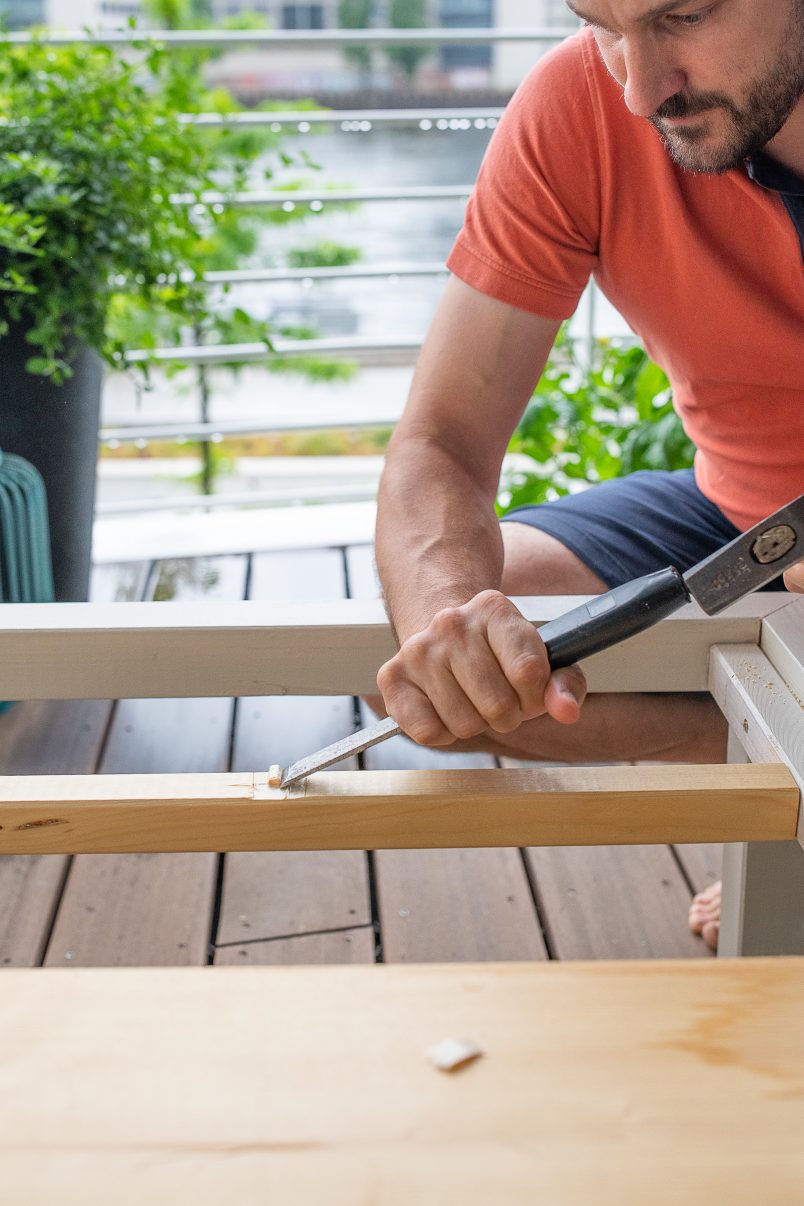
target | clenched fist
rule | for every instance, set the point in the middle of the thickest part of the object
(478, 667)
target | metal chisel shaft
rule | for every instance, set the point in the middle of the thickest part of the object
(345, 748)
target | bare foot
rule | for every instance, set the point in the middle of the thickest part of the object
(704, 917)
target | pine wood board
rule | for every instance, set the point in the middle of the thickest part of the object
(561, 806)
(312, 1084)
(341, 946)
(300, 647)
(614, 902)
(50, 737)
(148, 908)
(271, 894)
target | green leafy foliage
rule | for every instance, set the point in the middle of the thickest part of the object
(323, 255)
(584, 426)
(408, 14)
(356, 14)
(94, 244)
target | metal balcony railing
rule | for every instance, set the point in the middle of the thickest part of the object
(366, 350)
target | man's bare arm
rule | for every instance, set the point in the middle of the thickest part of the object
(468, 660)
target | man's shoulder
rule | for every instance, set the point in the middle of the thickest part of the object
(572, 75)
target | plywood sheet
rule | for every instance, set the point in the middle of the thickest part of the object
(312, 1085)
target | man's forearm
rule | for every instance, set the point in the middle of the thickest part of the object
(438, 540)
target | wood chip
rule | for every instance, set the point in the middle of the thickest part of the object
(450, 1055)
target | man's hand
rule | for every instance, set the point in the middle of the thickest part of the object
(474, 668)
(794, 578)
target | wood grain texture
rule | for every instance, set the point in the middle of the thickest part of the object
(566, 806)
(765, 716)
(147, 908)
(270, 894)
(134, 650)
(311, 1085)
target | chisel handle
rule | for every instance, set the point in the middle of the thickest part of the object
(608, 619)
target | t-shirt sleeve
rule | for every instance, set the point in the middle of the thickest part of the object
(531, 230)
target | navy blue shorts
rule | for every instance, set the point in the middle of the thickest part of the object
(633, 525)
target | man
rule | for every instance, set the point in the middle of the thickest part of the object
(661, 148)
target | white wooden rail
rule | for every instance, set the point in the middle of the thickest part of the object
(751, 659)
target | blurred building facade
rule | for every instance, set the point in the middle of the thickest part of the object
(259, 73)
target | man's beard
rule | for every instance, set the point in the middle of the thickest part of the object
(751, 125)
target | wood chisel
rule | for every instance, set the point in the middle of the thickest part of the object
(746, 563)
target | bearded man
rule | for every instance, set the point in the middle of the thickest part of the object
(661, 149)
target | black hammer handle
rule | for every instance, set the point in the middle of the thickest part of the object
(610, 618)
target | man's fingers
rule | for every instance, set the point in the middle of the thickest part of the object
(564, 694)
(794, 578)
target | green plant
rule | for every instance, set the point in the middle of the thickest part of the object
(584, 426)
(356, 14)
(408, 14)
(104, 232)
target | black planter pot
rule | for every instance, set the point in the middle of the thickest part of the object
(55, 427)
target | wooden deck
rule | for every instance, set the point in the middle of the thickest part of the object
(304, 908)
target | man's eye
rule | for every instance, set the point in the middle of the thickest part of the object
(689, 20)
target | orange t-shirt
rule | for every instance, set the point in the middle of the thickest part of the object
(707, 270)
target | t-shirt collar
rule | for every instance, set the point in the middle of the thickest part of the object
(775, 176)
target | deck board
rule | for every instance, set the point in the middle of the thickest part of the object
(271, 894)
(153, 909)
(614, 902)
(452, 905)
(51, 737)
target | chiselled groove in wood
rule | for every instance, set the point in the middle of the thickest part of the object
(553, 806)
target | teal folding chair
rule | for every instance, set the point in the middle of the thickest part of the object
(26, 568)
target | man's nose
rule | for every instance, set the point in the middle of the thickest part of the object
(649, 79)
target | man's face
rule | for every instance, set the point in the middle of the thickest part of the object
(717, 78)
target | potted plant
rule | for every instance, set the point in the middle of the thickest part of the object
(93, 153)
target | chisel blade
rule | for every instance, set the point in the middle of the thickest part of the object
(363, 739)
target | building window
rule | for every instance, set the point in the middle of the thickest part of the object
(302, 16)
(19, 14)
(466, 14)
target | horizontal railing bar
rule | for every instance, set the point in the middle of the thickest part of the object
(300, 647)
(271, 38)
(240, 498)
(246, 353)
(203, 432)
(344, 272)
(381, 810)
(328, 117)
(323, 196)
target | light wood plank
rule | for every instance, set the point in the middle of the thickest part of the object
(59, 737)
(345, 946)
(134, 650)
(268, 894)
(312, 1084)
(441, 905)
(152, 909)
(614, 902)
(559, 806)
